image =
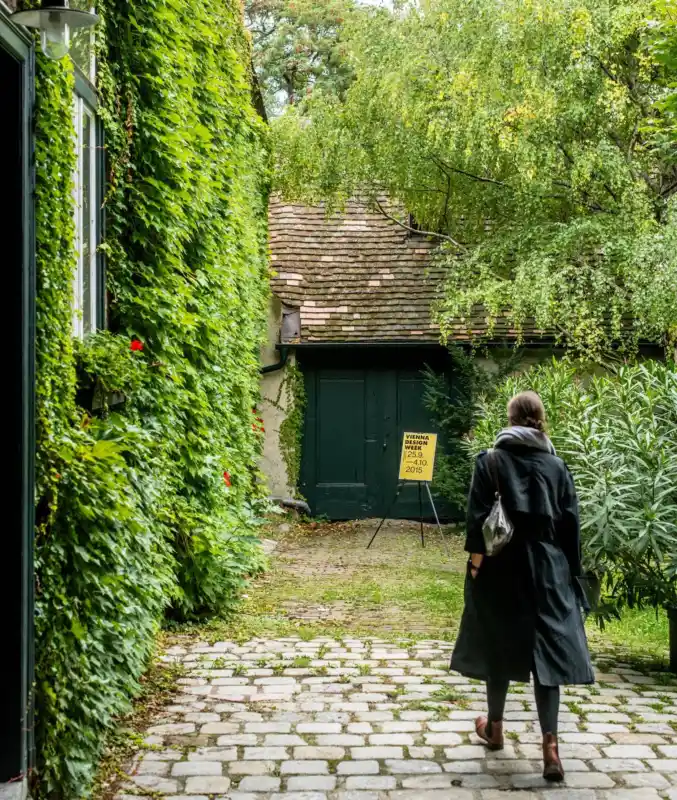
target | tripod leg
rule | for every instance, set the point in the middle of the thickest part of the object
(420, 512)
(437, 519)
(380, 525)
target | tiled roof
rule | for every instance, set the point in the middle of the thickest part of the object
(360, 277)
(355, 276)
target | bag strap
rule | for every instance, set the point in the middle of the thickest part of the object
(492, 470)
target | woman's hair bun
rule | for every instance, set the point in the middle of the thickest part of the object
(533, 422)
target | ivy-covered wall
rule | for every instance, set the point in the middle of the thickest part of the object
(282, 410)
(147, 508)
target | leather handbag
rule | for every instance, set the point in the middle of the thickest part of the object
(497, 529)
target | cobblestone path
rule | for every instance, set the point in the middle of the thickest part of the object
(289, 719)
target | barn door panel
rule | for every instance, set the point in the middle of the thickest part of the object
(356, 414)
(341, 443)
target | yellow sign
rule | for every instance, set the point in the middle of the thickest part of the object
(418, 456)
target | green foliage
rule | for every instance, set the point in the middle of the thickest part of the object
(616, 431)
(135, 515)
(664, 41)
(104, 577)
(527, 134)
(452, 401)
(107, 364)
(298, 48)
(55, 162)
(188, 268)
(291, 429)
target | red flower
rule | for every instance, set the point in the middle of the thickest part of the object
(136, 345)
(226, 478)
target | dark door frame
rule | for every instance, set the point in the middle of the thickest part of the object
(375, 362)
(16, 586)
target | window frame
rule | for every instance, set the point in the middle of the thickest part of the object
(85, 102)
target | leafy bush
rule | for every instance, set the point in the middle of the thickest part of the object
(452, 402)
(104, 579)
(616, 431)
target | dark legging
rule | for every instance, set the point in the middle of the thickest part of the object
(547, 703)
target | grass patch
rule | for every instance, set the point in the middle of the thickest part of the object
(450, 696)
(643, 631)
(396, 591)
(575, 708)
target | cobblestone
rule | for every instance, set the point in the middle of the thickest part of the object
(363, 722)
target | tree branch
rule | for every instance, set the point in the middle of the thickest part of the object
(628, 82)
(436, 235)
(470, 175)
(609, 190)
(591, 206)
(639, 173)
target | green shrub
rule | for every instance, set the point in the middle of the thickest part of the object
(452, 402)
(616, 431)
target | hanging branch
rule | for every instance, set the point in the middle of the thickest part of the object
(434, 234)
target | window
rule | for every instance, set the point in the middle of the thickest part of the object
(88, 278)
(82, 44)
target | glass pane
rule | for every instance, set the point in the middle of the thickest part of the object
(77, 198)
(88, 243)
(82, 42)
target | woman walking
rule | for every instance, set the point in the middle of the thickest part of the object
(523, 604)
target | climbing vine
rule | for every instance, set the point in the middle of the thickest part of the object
(147, 489)
(291, 429)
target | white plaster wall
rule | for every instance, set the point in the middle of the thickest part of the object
(273, 408)
(530, 358)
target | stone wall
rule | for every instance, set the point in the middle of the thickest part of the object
(273, 408)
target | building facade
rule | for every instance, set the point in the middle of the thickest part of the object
(353, 315)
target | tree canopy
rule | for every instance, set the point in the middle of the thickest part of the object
(298, 48)
(536, 137)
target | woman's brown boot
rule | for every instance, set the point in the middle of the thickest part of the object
(552, 766)
(494, 740)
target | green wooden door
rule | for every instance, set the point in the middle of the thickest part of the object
(357, 410)
(342, 442)
(404, 389)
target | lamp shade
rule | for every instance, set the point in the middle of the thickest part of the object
(49, 12)
(55, 21)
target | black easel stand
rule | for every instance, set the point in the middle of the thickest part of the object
(420, 513)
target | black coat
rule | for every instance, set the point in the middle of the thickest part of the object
(523, 610)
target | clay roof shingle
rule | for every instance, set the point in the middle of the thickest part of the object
(355, 276)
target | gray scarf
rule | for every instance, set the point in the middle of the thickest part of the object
(529, 437)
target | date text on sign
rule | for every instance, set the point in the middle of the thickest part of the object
(418, 456)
